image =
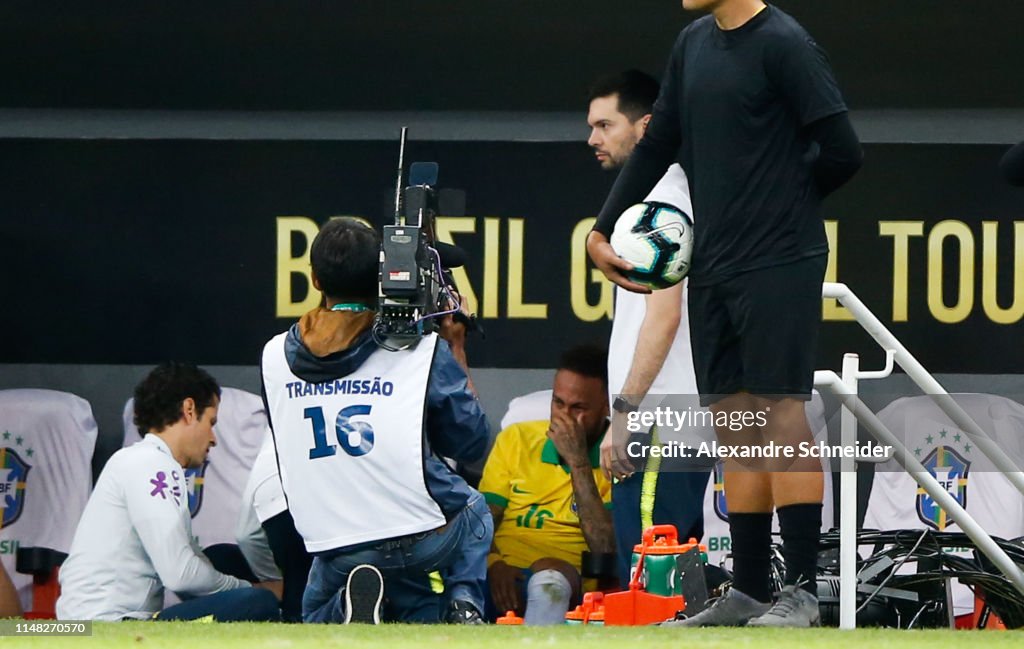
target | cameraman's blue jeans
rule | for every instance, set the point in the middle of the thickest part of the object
(459, 551)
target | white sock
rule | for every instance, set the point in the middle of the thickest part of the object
(547, 598)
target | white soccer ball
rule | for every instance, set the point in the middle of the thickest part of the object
(657, 238)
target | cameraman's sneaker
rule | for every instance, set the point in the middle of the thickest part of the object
(731, 609)
(795, 608)
(460, 612)
(363, 594)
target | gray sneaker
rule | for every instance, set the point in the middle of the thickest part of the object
(794, 608)
(731, 609)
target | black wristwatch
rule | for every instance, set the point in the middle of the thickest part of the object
(623, 406)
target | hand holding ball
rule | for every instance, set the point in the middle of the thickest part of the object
(657, 239)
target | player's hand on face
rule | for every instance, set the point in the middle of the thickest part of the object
(505, 589)
(569, 436)
(615, 461)
(609, 263)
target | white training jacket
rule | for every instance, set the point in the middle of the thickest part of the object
(134, 540)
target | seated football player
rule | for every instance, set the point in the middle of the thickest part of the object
(548, 496)
(135, 536)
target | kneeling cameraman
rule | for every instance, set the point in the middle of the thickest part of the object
(358, 432)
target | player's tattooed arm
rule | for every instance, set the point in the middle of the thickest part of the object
(595, 520)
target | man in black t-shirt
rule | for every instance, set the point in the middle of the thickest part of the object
(750, 109)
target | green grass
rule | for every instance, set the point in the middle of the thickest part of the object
(192, 635)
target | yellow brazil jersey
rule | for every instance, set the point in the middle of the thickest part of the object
(524, 474)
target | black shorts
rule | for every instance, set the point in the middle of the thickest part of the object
(757, 332)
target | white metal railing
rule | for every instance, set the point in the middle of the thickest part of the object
(845, 388)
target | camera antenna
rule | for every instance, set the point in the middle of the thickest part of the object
(398, 183)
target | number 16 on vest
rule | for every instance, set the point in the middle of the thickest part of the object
(355, 437)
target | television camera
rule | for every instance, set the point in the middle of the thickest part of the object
(416, 285)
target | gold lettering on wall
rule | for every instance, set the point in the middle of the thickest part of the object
(516, 307)
(989, 274)
(579, 277)
(831, 310)
(965, 269)
(288, 266)
(501, 291)
(900, 231)
(492, 267)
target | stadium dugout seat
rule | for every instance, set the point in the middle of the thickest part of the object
(534, 406)
(47, 439)
(950, 455)
(215, 489)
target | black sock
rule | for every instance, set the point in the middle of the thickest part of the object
(801, 529)
(751, 554)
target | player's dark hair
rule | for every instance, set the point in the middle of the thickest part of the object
(346, 260)
(586, 360)
(637, 92)
(159, 396)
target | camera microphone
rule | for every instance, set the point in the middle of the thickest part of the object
(451, 256)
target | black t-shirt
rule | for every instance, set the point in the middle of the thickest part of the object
(731, 111)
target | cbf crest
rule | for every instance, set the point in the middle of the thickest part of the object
(195, 479)
(13, 479)
(949, 466)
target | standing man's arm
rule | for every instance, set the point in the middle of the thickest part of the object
(839, 154)
(595, 519)
(657, 333)
(802, 70)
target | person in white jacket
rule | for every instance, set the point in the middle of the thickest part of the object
(135, 536)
